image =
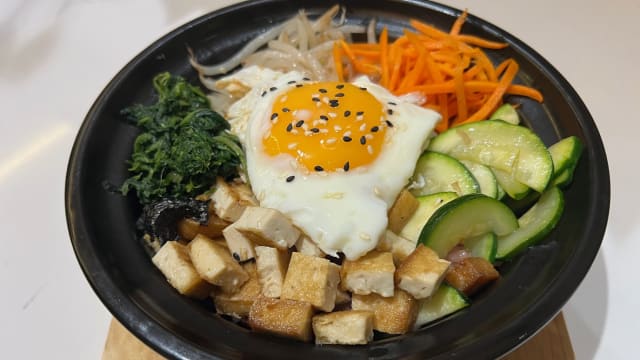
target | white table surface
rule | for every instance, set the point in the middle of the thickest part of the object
(57, 55)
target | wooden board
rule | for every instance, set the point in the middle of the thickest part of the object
(551, 343)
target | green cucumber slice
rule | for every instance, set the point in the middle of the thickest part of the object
(501, 192)
(515, 189)
(445, 301)
(484, 176)
(484, 246)
(506, 112)
(466, 217)
(565, 155)
(535, 224)
(427, 205)
(439, 172)
(510, 148)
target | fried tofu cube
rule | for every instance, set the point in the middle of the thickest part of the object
(230, 200)
(371, 273)
(391, 315)
(189, 228)
(342, 297)
(173, 261)
(305, 245)
(240, 246)
(238, 304)
(272, 267)
(350, 327)
(267, 227)
(421, 273)
(283, 317)
(471, 274)
(398, 246)
(401, 211)
(215, 264)
(313, 280)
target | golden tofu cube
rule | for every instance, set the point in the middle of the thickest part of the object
(392, 315)
(272, 268)
(371, 273)
(267, 227)
(398, 246)
(283, 317)
(230, 200)
(421, 273)
(173, 261)
(305, 245)
(471, 274)
(238, 304)
(189, 228)
(215, 264)
(401, 211)
(350, 327)
(311, 279)
(240, 246)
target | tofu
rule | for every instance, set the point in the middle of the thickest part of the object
(189, 228)
(282, 317)
(371, 273)
(173, 262)
(313, 280)
(392, 315)
(401, 211)
(238, 304)
(398, 246)
(215, 265)
(421, 273)
(342, 297)
(471, 274)
(240, 246)
(272, 266)
(230, 200)
(305, 245)
(267, 227)
(351, 327)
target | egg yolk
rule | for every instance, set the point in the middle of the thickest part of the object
(327, 126)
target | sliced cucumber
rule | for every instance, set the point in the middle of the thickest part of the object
(515, 189)
(427, 205)
(501, 192)
(565, 155)
(484, 246)
(466, 217)
(535, 224)
(484, 176)
(508, 113)
(439, 172)
(445, 301)
(510, 148)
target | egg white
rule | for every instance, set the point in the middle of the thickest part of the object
(340, 211)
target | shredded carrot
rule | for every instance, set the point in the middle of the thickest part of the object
(449, 68)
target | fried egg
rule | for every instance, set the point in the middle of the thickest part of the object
(332, 156)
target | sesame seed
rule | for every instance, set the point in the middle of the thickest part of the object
(325, 99)
(318, 168)
(332, 114)
(363, 127)
(273, 88)
(263, 93)
(346, 139)
(391, 103)
(306, 79)
(315, 122)
(285, 109)
(339, 95)
(308, 133)
(389, 123)
(299, 123)
(324, 131)
(347, 113)
(290, 178)
(292, 146)
(347, 133)
(346, 166)
(375, 129)
(324, 91)
(289, 127)
(294, 113)
(360, 113)
(363, 88)
(298, 85)
(294, 131)
(291, 82)
(236, 256)
(331, 141)
(283, 99)
(324, 117)
(337, 128)
(274, 116)
(370, 149)
(315, 99)
(305, 127)
(390, 111)
(363, 140)
(359, 118)
(334, 103)
(315, 130)
(339, 86)
(368, 136)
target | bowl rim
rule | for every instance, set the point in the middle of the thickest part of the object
(168, 344)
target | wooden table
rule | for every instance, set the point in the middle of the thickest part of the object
(551, 343)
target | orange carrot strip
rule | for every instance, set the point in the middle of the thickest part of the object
(384, 57)
(474, 40)
(486, 109)
(457, 25)
(337, 61)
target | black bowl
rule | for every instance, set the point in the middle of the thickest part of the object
(533, 287)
